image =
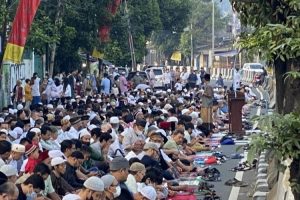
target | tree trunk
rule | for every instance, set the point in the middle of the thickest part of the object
(287, 101)
(280, 70)
(58, 24)
(295, 176)
(88, 63)
(287, 89)
(52, 59)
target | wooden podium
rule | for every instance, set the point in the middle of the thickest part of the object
(236, 101)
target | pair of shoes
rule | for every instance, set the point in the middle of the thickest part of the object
(211, 176)
(220, 156)
(211, 196)
(205, 186)
(236, 156)
(244, 166)
(236, 183)
(246, 147)
(210, 170)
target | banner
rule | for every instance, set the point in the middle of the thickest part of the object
(97, 54)
(20, 29)
(176, 56)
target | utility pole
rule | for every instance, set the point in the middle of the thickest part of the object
(130, 38)
(213, 35)
(192, 48)
(58, 24)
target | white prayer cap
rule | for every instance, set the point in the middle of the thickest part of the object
(20, 107)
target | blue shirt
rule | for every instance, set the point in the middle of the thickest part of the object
(105, 83)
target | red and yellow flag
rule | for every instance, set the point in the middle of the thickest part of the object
(20, 28)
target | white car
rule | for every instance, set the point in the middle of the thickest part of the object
(159, 74)
(253, 67)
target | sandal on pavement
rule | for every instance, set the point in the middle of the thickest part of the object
(231, 182)
(236, 183)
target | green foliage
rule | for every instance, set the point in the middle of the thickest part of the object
(283, 135)
(3, 12)
(293, 75)
(43, 32)
(174, 15)
(276, 27)
(144, 16)
(201, 21)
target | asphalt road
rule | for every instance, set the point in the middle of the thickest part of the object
(249, 176)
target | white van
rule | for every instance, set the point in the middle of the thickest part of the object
(159, 74)
(253, 67)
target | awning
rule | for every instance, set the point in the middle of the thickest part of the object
(226, 53)
(105, 62)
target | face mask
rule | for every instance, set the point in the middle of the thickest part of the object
(118, 192)
(67, 129)
(157, 144)
(86, 143)
(92, 141)
(139, 132)
(31, 196)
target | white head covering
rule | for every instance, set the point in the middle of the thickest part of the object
(71, 197)
(148, 192)
(94, 183)
(84, 132)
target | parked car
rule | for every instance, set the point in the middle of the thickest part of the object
(253, 67)
(142, 74)
(111, 70)
(159, 74)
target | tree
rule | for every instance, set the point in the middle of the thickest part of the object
(7, 12)
(276, 34)
(174, 15)
(144, 18)
(201, 21)
(63, 28)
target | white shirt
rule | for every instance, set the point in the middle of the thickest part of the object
(49, 145)
(113, 147)
(61, 136)
(48, 187)
(165, 156)
(131, 184)
(72, 133)
(68, 92)
(196, 133)
(24, 165)
(131, 154)
(184, 76)
(187, 136)
(32, 122)
(35, 89)
(131, 137)
(167, 78)
(236, 79)
(14, 164)
(198, 79)
(178, 86)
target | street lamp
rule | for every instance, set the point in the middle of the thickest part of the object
(213, 33)
(211, 60)
(192, 48)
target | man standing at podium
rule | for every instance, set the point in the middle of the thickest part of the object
(207, 103)
(236, 79)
